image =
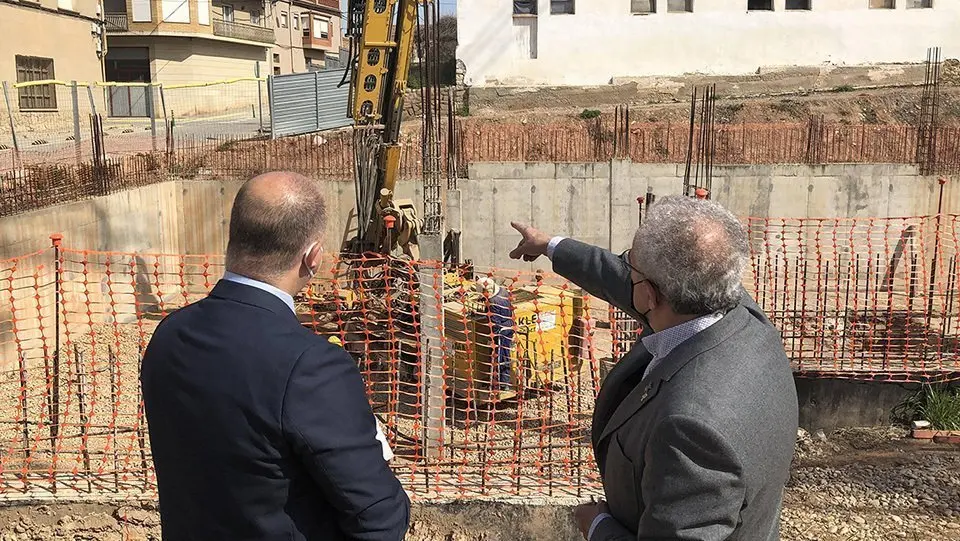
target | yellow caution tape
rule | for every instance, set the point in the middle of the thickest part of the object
(115, 83)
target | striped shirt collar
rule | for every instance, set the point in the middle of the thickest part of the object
(661, 343)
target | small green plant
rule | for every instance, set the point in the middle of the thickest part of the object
(844, 88)
(587, 114)
(938, 405)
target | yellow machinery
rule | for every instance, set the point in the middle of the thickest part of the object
(381, 34)
(543, 354)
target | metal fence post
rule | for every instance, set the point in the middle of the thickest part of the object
(56, 240)
(93, 103)
(256, 71)
(316, 101)
(75, 97)
(431, 342)
(270, 96)
(153, 116)
(13, 129)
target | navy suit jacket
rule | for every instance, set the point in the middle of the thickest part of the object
(261, 430)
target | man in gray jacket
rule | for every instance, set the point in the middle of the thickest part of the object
(694, 429)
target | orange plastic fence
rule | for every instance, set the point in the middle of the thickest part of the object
(864, 298)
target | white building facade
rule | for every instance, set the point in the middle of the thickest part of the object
(593, 42)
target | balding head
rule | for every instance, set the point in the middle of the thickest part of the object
(694, 251)
(275, 218)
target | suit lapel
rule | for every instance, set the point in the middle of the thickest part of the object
(612, 391)
(644, 393)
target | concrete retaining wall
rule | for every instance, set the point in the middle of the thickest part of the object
(576, 199)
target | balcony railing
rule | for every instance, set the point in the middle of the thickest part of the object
(247, 32)
(115, 22)
(310, 42)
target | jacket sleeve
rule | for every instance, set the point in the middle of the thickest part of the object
(691, 486)
(331, 428)
(598, 271)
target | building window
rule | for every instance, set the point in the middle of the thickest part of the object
(680, 6)
(276, 58)
(282, 19)
(643, 7)
(561, 7)
(760, 5)
(798, 4)
(276, 70)
(883, 4)
(321, 28)
(305, 24)
(296, 22)
(34, 68)
(228, 13)
(919, 4)
(524, 7)
(256, 18)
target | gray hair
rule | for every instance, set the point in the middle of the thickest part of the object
(694, 252)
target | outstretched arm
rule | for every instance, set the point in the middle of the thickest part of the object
(600, 272)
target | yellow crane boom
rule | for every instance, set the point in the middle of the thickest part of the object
(384, 34)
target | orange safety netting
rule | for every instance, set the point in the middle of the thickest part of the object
(474, 401)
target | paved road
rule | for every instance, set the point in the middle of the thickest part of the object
(127, 136)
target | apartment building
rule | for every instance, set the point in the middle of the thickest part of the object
(308, 31)
(48, 39)
(593, 42)
(181, 42)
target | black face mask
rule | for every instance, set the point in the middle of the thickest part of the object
(643, 319)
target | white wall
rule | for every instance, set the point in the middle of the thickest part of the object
(603, 40)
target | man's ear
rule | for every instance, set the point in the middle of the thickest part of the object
(314, 257)
(650, 295)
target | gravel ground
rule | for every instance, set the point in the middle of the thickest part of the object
(854, 484)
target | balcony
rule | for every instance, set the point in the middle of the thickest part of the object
(242, 31)
(333, 5)
(323, 44)
(115, 22)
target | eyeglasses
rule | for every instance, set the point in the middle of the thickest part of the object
(625, 256)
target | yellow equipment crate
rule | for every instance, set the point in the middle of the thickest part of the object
(540, 354)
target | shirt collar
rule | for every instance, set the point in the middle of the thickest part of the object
(280, 294)
(661, 343)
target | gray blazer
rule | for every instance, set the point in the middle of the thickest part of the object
(701, 448)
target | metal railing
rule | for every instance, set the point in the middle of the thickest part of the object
(116, 22)
(248, 32)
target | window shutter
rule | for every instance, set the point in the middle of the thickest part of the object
(176, 11)
(141, 11)
(203, 12)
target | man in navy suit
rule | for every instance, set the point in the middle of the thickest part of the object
(260, 429)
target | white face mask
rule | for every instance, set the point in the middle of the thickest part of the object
(306, 254)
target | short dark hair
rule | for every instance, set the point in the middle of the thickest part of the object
(268, 231)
